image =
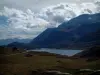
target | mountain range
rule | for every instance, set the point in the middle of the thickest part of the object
(8, 41)
(80, 32)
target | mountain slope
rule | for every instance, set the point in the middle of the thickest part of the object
(69, 32)
(92, 52)
(80, 20)
(87, 41)
(17, 44)
(8, 41)
(53, 37)
(80, 32)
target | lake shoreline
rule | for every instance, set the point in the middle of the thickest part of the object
(58, 51)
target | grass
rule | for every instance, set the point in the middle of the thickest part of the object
(19, 64)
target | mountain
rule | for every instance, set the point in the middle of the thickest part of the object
(87, 41)
(17, 44)
(79, 33)
(69, 33)
(50, 36)
(8, 41)
(80, 20)
(90, 53)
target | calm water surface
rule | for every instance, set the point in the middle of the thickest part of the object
(58, 51)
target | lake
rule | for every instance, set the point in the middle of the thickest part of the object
(58, 51)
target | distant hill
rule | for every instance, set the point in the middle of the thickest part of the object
(93, 52)
(8, 41)
(17, 44)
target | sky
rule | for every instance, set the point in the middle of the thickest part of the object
(36, 5)
(26, 19)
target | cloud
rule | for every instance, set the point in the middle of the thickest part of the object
(15, 23)
(19, 24)
(59, 13)
(36, 5)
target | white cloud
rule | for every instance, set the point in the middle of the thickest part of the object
(21, 24)
(64, 11)
(28, 24)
